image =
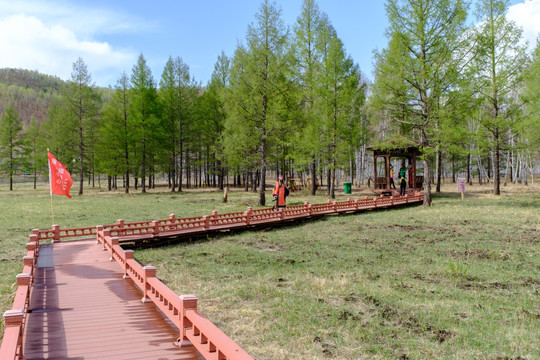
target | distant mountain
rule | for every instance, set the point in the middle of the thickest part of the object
(30, 92)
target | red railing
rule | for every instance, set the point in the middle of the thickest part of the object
(14, 319)
(211, 342)
(182, 311)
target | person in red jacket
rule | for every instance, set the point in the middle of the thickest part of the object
(280, 192)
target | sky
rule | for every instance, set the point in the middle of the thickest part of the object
(49, 36)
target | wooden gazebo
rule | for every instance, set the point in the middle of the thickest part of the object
(390, 150)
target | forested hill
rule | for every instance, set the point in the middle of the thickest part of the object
(30, 92)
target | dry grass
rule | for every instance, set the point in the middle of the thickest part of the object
(457, 280)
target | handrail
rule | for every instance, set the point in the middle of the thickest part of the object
(15, 318)
(196, 224)
(201, 332)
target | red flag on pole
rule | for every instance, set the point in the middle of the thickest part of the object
(59, 177)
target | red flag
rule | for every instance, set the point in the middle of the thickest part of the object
(59, 177)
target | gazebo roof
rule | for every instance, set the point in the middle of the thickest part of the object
(396, 146)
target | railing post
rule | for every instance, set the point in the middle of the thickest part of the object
(248, 215)
(206, 221)
(214, 214)
(307, 208)
(334, 206)
(155, 227)
(187, 302)
(32, 245)
(374, 202)
(392, 200)
(129, 256)
(172, 216)
(99, 233)
(149, 271)
(33, 238)
(28, 260)
(36, 232)
(56, 233)
(121, 223)
(106, 233)
(114, 241)
(406, 198)
(23, 279)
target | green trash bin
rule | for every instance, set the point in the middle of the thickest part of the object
(347, 187)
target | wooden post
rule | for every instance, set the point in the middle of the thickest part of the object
(149, 271)
(225, 190)
(128, 256)
(187, 302)
(56, 233)
(248, 215)
(106, 233)
(114, 241)
(28, 261)
(99, 233)
(206, 222)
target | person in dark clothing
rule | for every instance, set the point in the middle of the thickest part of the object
(402, 180)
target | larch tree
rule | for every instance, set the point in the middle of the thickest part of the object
(80, 99)
(499, 63)
(35, 158)
(430, 32)
(178, 91)
(531, 96)
(308, 64)
(11, 142)
(116, 133)
(339, 84)
(144, 111)
(216, 90)
(260, 80)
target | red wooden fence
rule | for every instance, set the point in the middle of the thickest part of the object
(211, 342)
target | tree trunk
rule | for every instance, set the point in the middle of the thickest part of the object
(427, 173)
(469, 177)
(333, 181)
(262, 183)
(329, 181)
(81, 154)
(313, 187)
(439, 169)
(496, 174)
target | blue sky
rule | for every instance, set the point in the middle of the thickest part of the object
(48, 36)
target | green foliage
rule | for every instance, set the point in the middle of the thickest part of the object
(257, 101)
(499, 62)
(11, 143)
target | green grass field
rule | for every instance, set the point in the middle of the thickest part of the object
(459, 280)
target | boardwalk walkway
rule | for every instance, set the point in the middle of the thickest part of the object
(82, 308)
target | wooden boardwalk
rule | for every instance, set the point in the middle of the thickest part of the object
(81, 308)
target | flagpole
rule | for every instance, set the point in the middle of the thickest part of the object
(50, 186)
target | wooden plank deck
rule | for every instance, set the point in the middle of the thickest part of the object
(82, 308)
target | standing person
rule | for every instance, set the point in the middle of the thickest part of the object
(392, 174)
(411, 180)
(280, 192)
(402, 180)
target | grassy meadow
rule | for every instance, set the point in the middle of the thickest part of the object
(458, 280)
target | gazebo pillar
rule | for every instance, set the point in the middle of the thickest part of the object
(387, 165)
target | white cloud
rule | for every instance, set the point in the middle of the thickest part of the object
(527, 16)
(50, 38)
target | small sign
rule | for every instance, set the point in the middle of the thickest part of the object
(461, 185)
